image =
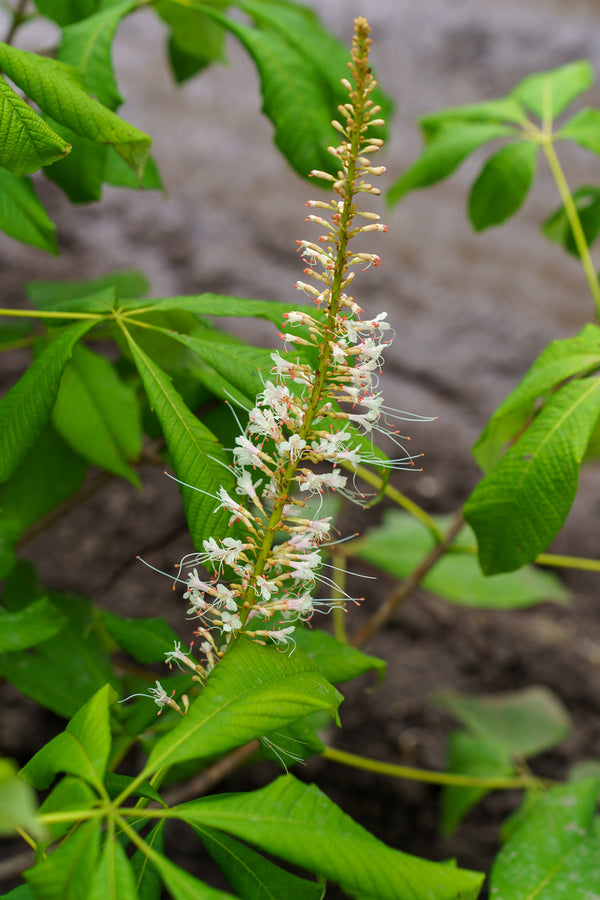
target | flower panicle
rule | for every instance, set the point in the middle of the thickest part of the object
(322, 405)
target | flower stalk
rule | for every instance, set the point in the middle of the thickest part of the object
(322, 406)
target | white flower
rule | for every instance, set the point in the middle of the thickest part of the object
(226, 596)
(229, 622)
(292, 447)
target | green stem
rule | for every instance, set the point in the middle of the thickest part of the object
(443, 778)
(389, 606)
(398, 497)
(584, 564)
(47, 314)
(574, 222)
(568, 562)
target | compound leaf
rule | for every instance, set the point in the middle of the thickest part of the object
(446, 150)
(397, 545)
(58, 89)
(26, 408)
(198, 458)
(584, 129)
(28, 143)
(547, 94)
(292, 92)
(114, 878)
(64, 875)
(252, 691)
(553, 851)
(560, 360)
(587, 203)
(299, 824)
(87, 45)
(215, 305)
(251, 875)
(29, 626)
(470, 755)
(98, 415)
(22, 216)
(527, 722)
(81, 749)
(503, 184)
(520, 506)
(77, 658)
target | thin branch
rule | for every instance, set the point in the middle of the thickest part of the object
(207, 780)
(389, 606)
(510, 782)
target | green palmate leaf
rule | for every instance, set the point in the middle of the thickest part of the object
(54, 294)
(197, 456)
(68, 793)
(584, 129)
(22, 216)
(86, 45)
(65, 874)
(547, 94)
(560, 360)
(118, 173)
(59, 91)
(520, 506)
(300, 27)
(250, 875)
(292, 91)
(81, 749)
(470, 755)
(447, 149)
(64, 12)
(23, 892)
(504, 109)
(503, 184)
(17, 802)
(398, 545)
(26, 408)
(49, 474)
(27, 627)
(252, 691)
(116, 784)
(587, 203)
(80, 174)
(183, 886)
(338, 662)
(114, 878)
(527, 722)
(98, 415)
(147, 878)
(300, 825)
(28, 142)
(216, 305)
(237, 366)
(147, 640)
(553, 853)
(76, 657)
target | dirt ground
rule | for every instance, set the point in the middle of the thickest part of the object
(470, 314)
